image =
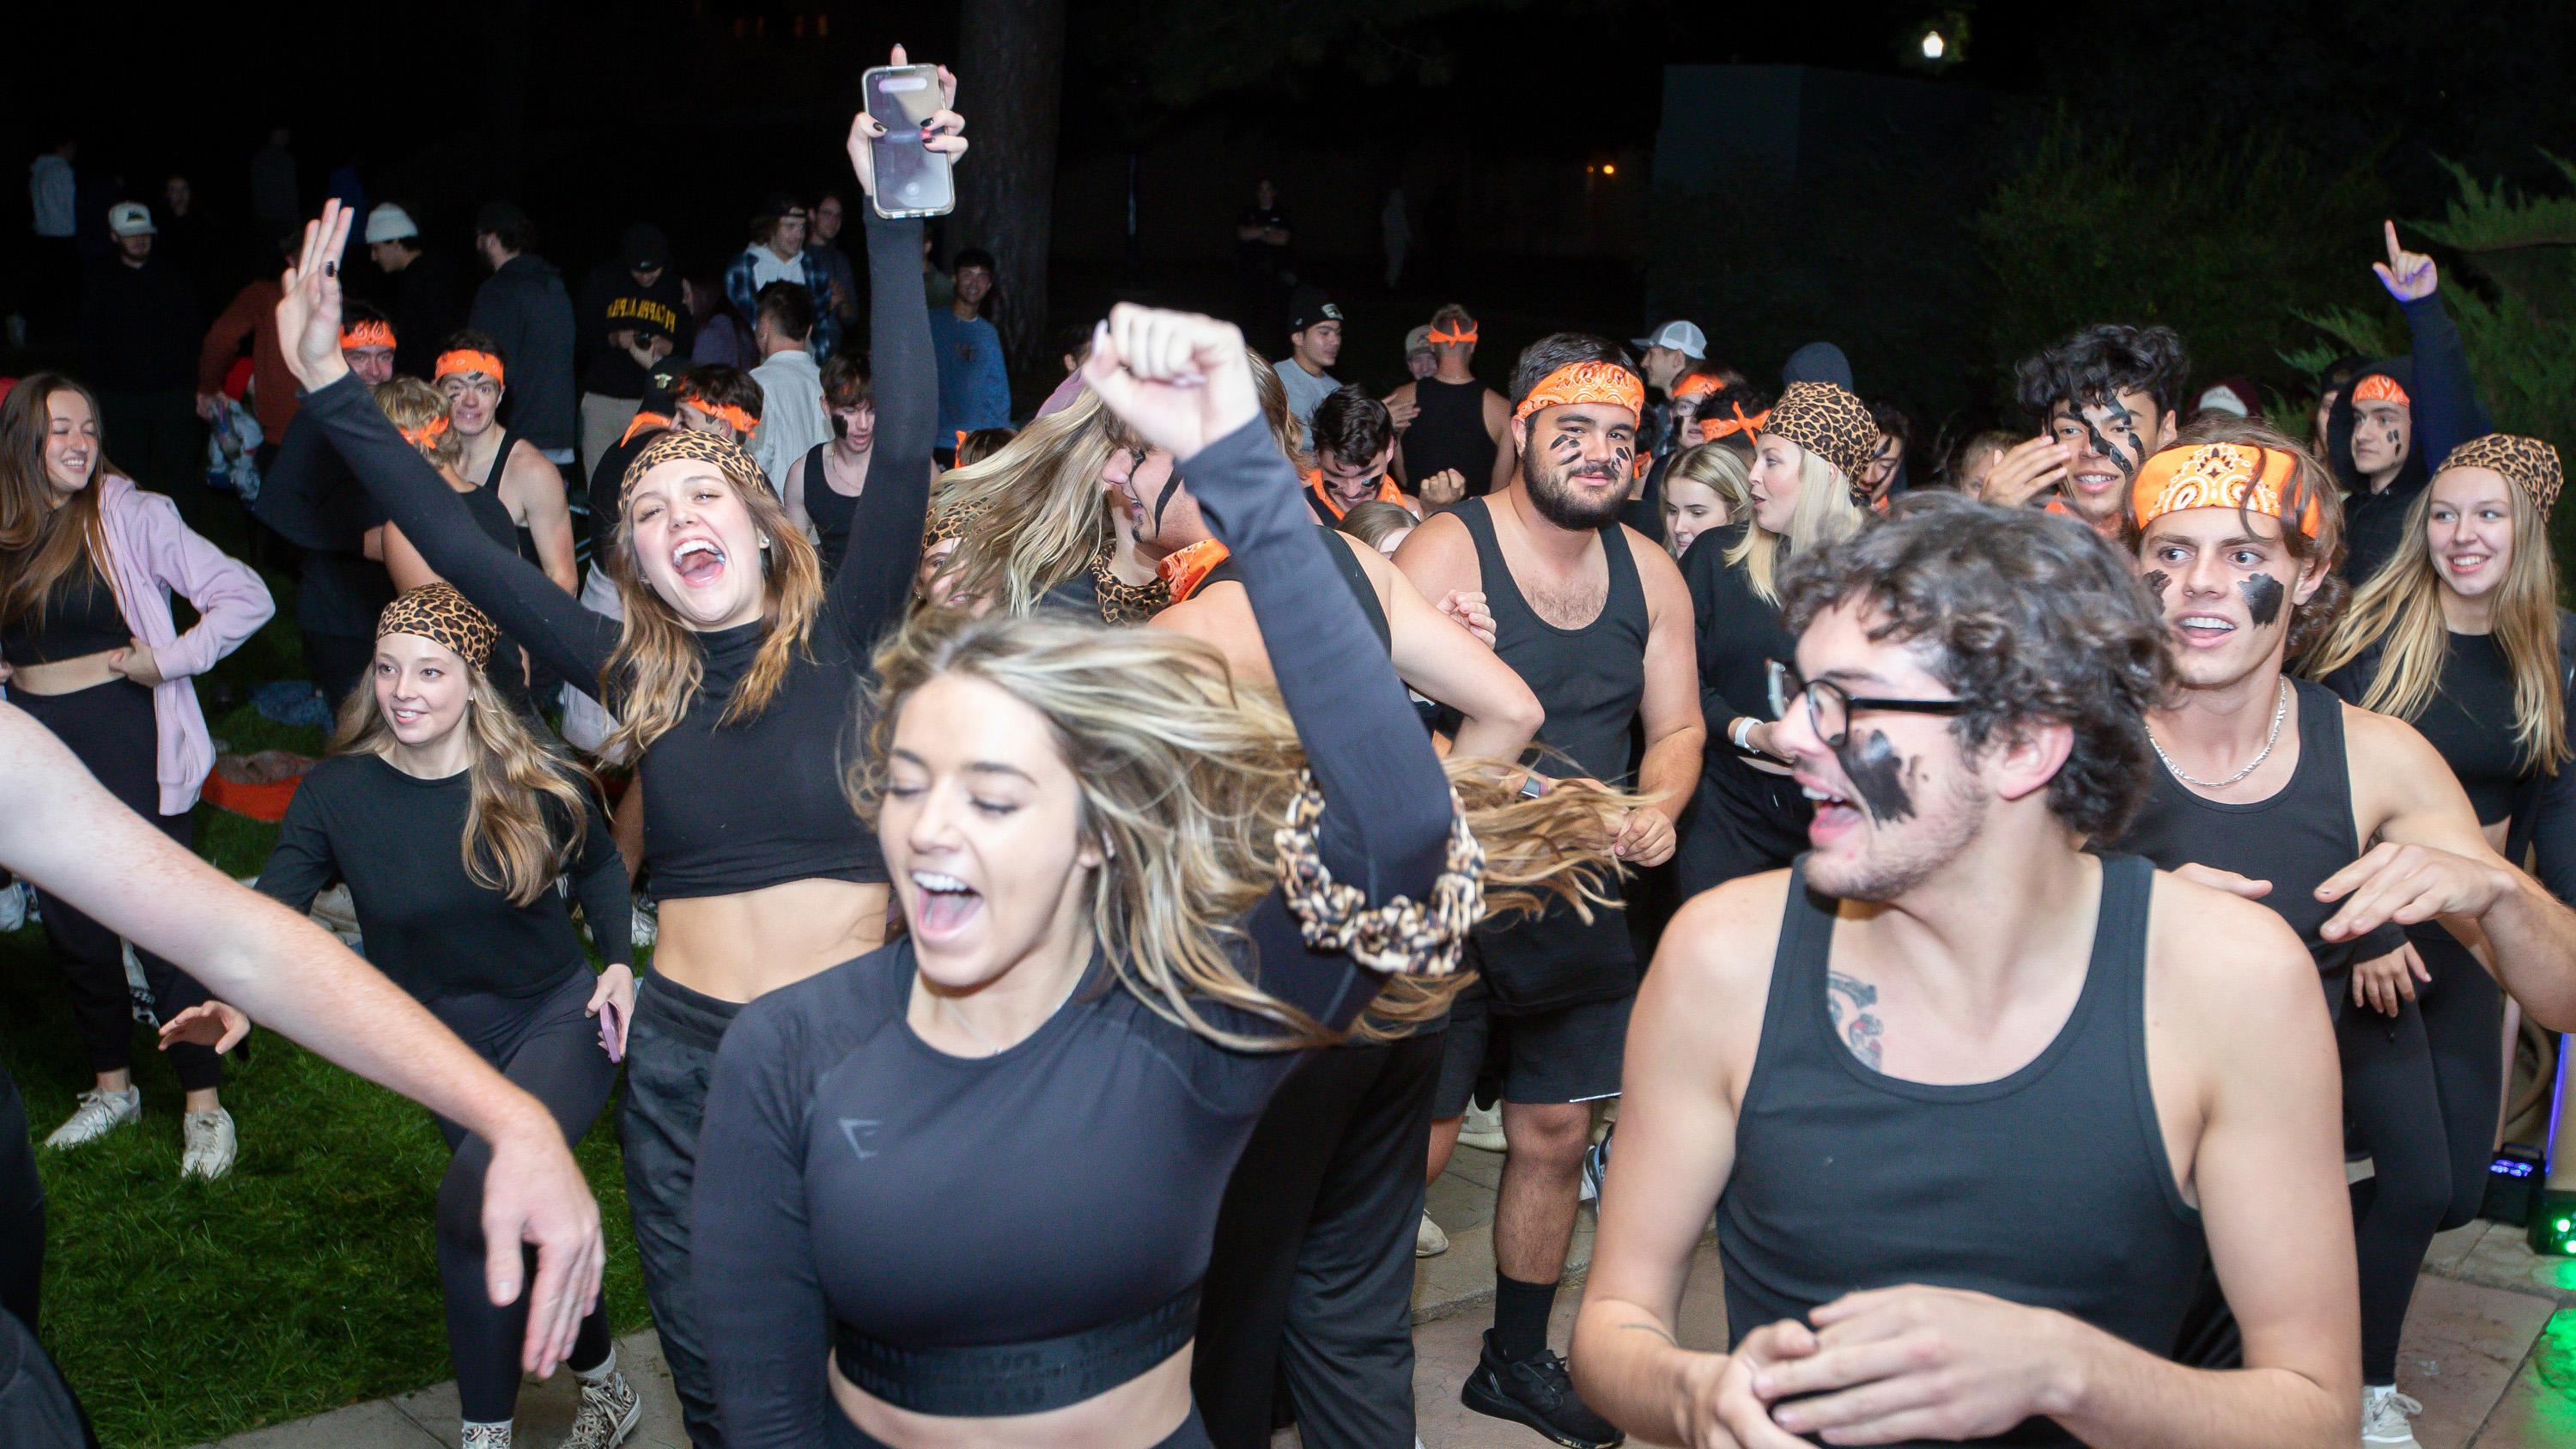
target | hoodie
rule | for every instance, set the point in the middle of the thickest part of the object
(526, 309)
(2443, 400)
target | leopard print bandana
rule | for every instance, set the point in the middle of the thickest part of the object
(441, 615)
(2531, 464)
(726, 454)
(1828, 422)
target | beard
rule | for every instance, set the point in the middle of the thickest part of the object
(1888, 869)
(1551, 492)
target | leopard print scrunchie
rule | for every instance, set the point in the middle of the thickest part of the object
(1404, 936)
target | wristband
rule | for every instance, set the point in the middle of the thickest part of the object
(1740, 734)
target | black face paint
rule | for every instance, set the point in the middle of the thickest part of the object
(2156, 582)
(1566, 447)
(2263, 595)
(1877, 774)
(2127, 465)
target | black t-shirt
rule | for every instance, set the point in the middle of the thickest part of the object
(398, 841)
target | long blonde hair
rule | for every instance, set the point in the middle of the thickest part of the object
(1185, 776)
(513, 842)
(654, 672)
(1039, 515)
(2400, 609)
(1825, 514)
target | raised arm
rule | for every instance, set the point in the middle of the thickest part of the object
(2444, 394)
(874, 582)
(573, 641)
(62, 830)
(1181, 381)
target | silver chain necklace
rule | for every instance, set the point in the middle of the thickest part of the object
(2280, 712)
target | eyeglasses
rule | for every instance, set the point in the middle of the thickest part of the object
(1830, 706)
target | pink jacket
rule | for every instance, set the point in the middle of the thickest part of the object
(150, 552)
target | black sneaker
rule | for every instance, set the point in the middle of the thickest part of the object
(1536, 1391)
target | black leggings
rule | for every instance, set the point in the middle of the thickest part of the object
(2464, 1021)
(109, 728)
(2390, 1095)
(545, 1044)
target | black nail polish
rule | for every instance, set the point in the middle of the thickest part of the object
(330, 269)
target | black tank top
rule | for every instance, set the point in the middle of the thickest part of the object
(830, 510)
(2295, 840)
(81, 617)
(519, 536)
(493, 516)
(1449, 432)
(1589, 680)
(2469, 718)
(1362, 587)
(2049, 1187)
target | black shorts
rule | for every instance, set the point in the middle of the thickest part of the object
(1568, 1054)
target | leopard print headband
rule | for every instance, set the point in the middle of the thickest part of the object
(2531, 464)
(726, 454)
(1828, 422)
(438, 613)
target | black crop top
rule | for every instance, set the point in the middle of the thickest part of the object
(81, 617)
(758, 802)
(932, 1201)
(398, 841)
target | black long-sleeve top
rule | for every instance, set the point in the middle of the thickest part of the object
(398, 841)
(727, 808)
(1739, 635)
(2470, 722)
(928, 1200)
(309, 498)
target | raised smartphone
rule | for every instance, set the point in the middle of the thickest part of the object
(912, 180)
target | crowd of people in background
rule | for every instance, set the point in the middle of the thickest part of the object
(1057, 885)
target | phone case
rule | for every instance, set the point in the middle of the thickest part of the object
(910, 180)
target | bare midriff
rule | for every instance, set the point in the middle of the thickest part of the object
(744, 946)
(1135, 1415)
(65, 676)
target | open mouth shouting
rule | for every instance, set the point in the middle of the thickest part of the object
(944, 906)
(1836, 815)
(699, 561)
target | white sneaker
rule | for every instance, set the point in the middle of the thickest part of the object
(485, 1436)
(211, 1144)
(608, 1412)
(2387, 1418)
(99, 1113)
(1483, 1128)
(1428, 1240)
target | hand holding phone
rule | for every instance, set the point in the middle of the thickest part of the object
(906, 139)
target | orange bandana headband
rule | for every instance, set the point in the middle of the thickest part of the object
(466, 359)
(1454, 337)
(1185, 570)
(735, 416)
(645, 422)
(370, 333)
(1585, 382)
(2380, 387)
(1698, 384)
(426, 434)
(1712, 429)
(2220, 475)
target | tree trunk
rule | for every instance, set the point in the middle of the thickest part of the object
(1010, 87)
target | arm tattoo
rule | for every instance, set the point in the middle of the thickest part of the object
(1861, 1031)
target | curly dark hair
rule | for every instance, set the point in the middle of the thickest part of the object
(1557, 349)
(1351, 425)
(2024, 615)
(2100, 363)
(2309, 621)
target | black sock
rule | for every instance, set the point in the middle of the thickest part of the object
(1520, 1316)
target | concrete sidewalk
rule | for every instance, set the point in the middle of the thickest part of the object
(2490, 1348)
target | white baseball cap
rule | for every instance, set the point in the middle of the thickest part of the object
(389, 222)
(1682, 337)
(131, 218)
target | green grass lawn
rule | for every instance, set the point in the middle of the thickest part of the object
(305, 1280)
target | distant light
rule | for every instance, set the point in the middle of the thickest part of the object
(1607, 169)
(1933, 45)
